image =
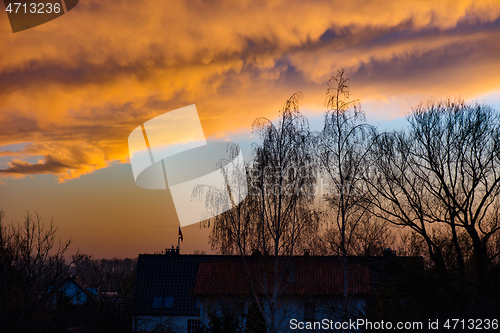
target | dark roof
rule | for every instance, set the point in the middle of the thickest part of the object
(303, 276)
(171, 275)
(184, 277)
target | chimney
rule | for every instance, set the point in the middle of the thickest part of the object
(389, 253)
(172, 251)
(306, 252)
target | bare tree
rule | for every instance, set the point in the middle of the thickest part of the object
(277, 213)
(235, 231)
(110, 281)
(369, 238)
(343, 153)
(284, 179)
(32, 268)
(441, 179)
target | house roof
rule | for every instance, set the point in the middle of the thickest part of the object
(301, 276)
(79, 283)
(185, 277)
(170, 275)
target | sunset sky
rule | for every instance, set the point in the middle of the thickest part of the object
(73, 89)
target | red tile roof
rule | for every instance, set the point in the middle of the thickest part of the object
(302, 276)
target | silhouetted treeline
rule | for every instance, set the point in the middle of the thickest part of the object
(41, 291)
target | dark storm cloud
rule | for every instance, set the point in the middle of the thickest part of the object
(48, 165)
(77, 86)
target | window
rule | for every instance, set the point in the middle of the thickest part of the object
(163, 302)
(168, 302)
(193, 326)
(309, 311)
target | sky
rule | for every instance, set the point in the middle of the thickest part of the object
(73, 89)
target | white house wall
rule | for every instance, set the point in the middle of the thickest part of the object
(291, 308)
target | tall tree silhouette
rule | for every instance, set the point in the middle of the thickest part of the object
(441, 179)
(343, 153)
(277, 214)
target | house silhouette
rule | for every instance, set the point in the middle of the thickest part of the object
(178, 292)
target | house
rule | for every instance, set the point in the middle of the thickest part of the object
(311, 287)
(75, 290)
(163, 292)
(175, 292)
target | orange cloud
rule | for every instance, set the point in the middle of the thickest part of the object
(76, 86)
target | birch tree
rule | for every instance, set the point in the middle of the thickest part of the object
(277, 213)
(343, 153)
